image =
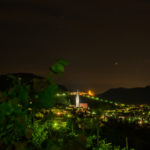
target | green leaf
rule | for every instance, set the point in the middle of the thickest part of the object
(47, 96)
(64, 62)
(58, 67)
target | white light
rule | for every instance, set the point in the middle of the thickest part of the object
(77, 100)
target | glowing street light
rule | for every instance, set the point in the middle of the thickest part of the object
(91, 93)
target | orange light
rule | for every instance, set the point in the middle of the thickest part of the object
(91, 93)
(58, 113)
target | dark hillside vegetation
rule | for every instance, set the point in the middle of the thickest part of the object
(128, 95)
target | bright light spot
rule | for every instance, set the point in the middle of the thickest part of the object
(64, 94)
(58, 125)
(55, 125)
(94, 113)
(57, 94)
(140, 122)
(96, 98)
(91, 93)
(30, 109)
(69, 116)
(58, 113)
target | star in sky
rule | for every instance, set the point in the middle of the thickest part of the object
(116, 63)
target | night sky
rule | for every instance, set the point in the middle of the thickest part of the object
(107, 42)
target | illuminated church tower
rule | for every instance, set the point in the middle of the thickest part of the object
(77, 99)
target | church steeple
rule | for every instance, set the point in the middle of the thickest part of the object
(77, 99)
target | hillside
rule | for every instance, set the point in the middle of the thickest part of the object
(128, 95)
(6, 82)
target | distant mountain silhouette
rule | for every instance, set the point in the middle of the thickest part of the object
(6, 82)
(128, 95)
